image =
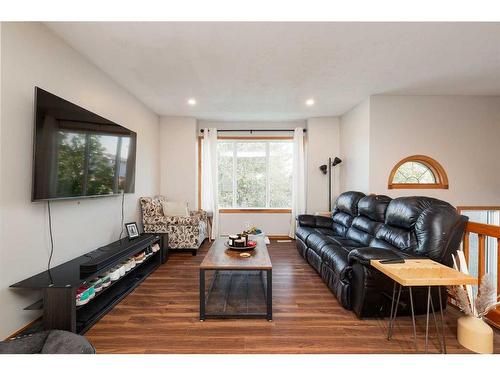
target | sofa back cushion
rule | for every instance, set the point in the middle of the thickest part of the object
(344, 211)
(371, 216)
(420, 226)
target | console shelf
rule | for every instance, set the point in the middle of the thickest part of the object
(87, 315)
(59, 284)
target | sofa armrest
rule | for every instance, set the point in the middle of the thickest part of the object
(314, 221)
(364, 255)
(202, 215)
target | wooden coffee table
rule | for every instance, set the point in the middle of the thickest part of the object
(239, 287)
(418, 273)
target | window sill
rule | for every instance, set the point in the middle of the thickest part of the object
(255, 210)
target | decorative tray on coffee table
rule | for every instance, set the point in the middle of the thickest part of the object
(251, 245)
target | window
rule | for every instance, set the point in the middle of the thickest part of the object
(255, 174)
(418, 172)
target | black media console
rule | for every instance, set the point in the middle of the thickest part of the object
(59, 284)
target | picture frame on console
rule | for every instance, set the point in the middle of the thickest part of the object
(132, 230)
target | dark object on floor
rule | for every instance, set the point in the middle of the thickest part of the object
(48, 342)
(363, 228)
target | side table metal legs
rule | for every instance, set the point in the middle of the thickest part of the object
(413, 320)
(442, 319)
(394, 311)
(427, 319)
(430, 307)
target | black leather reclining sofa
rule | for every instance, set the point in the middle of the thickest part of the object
(365, 227)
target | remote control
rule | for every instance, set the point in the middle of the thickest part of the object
(391, 261)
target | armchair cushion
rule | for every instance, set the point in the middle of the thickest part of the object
(175, 208)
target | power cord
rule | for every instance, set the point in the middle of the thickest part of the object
(123, 216)
(51, 237)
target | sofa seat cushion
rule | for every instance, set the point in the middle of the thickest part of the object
(346, 243)
(304, 232)
(316, 240)
(325, 232)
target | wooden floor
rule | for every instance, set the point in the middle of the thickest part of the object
(161, 316)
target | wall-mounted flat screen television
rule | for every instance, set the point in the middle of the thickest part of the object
(77, 153)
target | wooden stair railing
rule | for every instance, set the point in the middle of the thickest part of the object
(483, 231)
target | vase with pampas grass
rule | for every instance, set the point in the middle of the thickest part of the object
(472, 332)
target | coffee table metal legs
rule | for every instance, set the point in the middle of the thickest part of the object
(269, 295)
(430, 307)
(267, 285)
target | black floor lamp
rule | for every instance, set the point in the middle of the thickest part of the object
(327, 169)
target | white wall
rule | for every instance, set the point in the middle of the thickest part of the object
(461, 132)
(323, 141)
(31, 55)
(178, 152)
(355, 148)
(276, 224)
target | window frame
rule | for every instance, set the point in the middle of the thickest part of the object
(436, 169)
(240, 210)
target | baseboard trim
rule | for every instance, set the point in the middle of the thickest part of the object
(24, 328)
(279, 237)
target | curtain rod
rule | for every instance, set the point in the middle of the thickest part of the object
(254, 130)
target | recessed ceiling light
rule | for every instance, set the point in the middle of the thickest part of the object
(192, 101)
(310, 102)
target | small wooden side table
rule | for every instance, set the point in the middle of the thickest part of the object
(323, 213)
(421, 272)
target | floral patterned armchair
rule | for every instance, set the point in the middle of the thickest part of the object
(183, 232)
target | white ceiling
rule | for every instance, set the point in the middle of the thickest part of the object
(266, 71)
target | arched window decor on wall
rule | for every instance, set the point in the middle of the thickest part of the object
(418, 172)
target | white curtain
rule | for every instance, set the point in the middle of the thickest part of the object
(209, 173)
(298, 184)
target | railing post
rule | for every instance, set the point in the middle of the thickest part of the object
(498, 268)
(466, 246)
(481, 260)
